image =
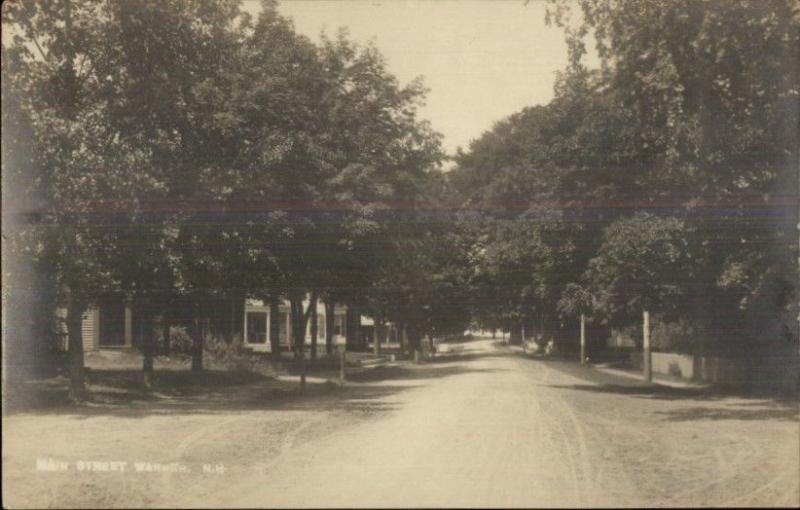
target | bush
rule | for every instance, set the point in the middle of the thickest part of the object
(179, 340)
(222, 350)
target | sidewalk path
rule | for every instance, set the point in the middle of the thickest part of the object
(657, 379)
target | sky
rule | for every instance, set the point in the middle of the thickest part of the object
(481, 59)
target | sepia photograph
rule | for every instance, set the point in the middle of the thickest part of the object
(400, 253)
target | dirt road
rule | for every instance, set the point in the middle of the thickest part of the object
(489, 429)
(485, 427)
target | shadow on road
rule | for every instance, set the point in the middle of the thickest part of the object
(261, 396)
(737, 412)
(728, 403)
(120, 392)
(428, 370)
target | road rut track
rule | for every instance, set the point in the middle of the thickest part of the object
(470, 431)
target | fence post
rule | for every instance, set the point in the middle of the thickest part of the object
(646, 361)
(583, 339)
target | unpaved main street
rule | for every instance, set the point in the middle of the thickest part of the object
(483, 427)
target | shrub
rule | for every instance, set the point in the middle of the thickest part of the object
(223, 350)
(179, 340)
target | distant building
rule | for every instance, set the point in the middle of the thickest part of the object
(257, 319)
(115, 323)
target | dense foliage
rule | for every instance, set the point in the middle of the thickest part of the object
(673, 169)
(180, 153)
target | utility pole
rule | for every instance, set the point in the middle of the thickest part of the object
(583, 339)
(647, 361)
(343, 353)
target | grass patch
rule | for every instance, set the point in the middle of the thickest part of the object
(175, 382)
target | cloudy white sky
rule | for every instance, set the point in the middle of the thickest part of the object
(481, 59)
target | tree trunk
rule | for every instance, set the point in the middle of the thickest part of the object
(77, 373)
(197, 342)
(515, 337)
(543, 325)
(148, 348)
(376, 337)
(274, 328)
(299, 336)
(330, 308)
(413, 341)
(166, 347)
(351, 332)
(314, 327)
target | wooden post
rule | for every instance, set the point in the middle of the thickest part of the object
(128, 324)
(148, 345)
(341, 363)
(583, 339)
(302, 368)
(274, 328)
(313, 327)
(648, 368)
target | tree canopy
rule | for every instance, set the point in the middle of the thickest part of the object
(672, 167)
(184, 151)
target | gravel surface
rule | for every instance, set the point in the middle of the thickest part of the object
(481, 427)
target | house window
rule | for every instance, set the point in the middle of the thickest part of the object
(321, 326)
(256, 327)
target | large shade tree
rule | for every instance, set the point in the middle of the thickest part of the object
(692, 118)
(716, 85)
